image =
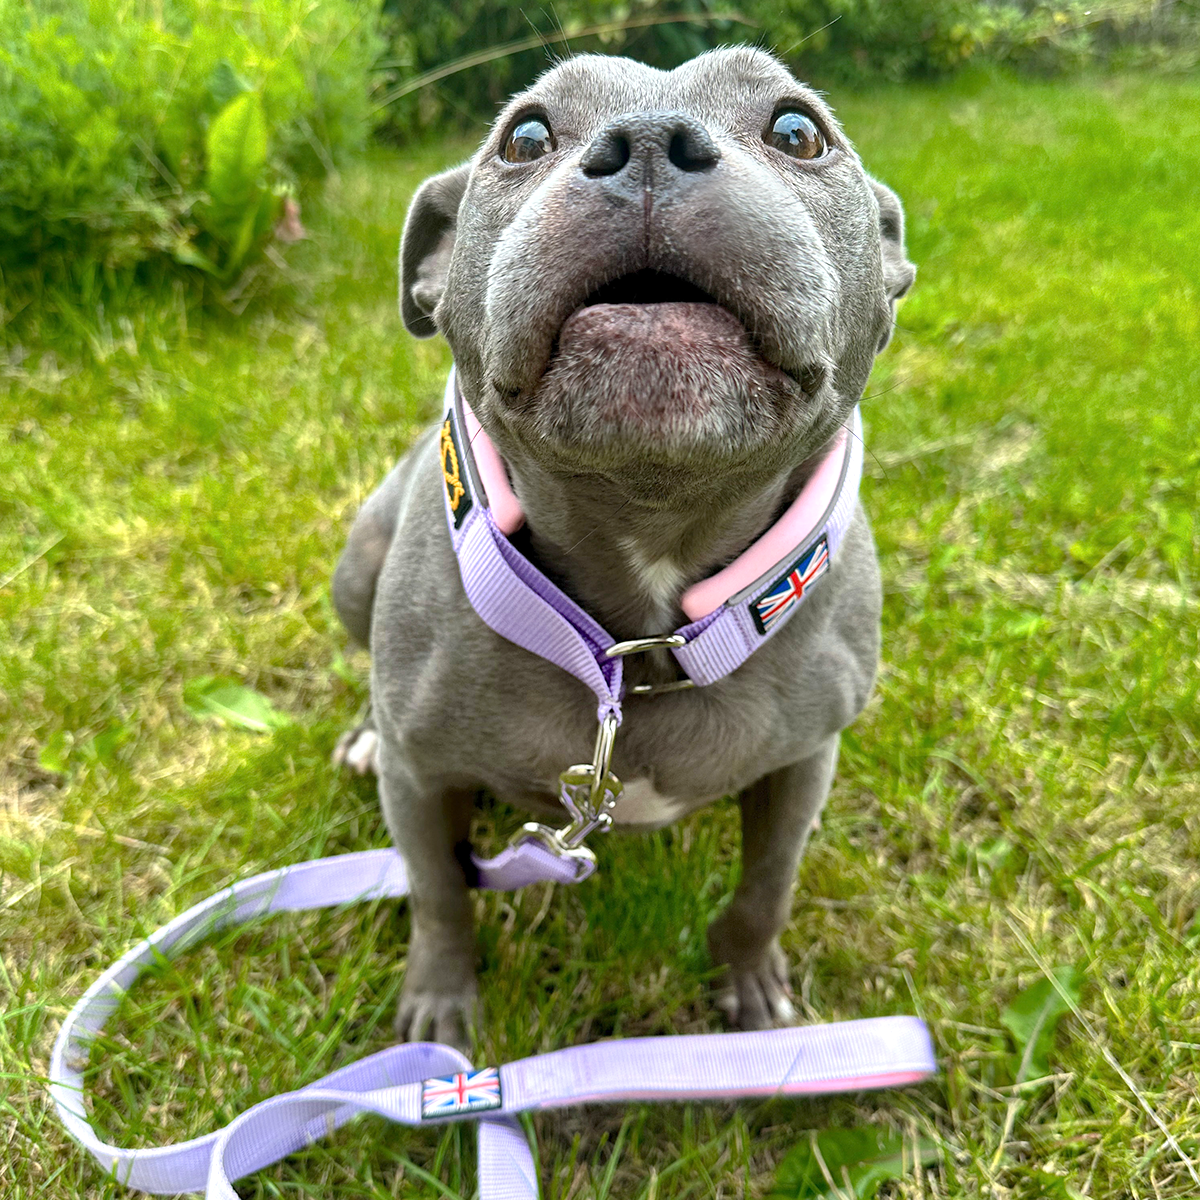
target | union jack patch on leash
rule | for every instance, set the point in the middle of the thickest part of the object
(449, 1095)
(785, 593)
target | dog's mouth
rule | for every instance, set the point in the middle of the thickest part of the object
(653, 365)
(658, 314)
(671, 314)
(648, 287)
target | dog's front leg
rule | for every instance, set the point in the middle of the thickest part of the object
(431, 828)
(778, 813)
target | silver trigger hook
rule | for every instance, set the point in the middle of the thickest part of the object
(589, 793)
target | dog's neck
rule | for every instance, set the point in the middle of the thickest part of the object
(628, 561)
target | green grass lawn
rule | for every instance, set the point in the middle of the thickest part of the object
(1022, 794)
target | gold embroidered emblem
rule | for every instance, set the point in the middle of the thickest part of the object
(451, 473)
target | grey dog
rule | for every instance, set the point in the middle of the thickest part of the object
(664, 292)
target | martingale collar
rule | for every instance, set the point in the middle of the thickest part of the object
(732, 613)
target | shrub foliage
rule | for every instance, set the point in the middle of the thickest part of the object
(130, 129)
(825, 40)
(175, 130)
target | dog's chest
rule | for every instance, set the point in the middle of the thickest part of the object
(641, 803)
(682, 755)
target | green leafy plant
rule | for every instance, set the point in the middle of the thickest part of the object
(133, 132)
(1033, 1017)
(232, 703)
(64, 751)
(240, 208)
(839, 1163)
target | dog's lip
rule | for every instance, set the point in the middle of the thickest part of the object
(645, 288)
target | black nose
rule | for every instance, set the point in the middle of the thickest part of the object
(648, 140)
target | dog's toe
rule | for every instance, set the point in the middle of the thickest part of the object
(757, 996)
(358, 749)
(452, 1020)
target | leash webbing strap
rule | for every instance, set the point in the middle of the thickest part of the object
(421, 1083)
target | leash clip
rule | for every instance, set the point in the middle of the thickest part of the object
(589, 793)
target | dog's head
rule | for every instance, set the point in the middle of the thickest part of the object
(644, 271)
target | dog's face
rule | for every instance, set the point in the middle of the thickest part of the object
(644, 271)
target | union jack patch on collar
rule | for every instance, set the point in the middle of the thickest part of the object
(787, 591)
(450, 1095)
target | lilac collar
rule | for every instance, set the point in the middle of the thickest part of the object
(732, 612)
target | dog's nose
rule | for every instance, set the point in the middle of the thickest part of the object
(637, 143)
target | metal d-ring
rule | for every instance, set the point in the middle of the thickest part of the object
(660, 641)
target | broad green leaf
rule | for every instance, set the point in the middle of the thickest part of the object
(995, 854)
(242, 240)
(105, 746)
(857, 1160)
(236, 152)
(256, 222)
(1033, 1017)
(54, 755)
(224, 83)
(268, 211)
(233, 704)
(1055, 1187)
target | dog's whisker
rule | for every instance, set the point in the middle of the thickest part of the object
(552, 53)
(881, 392)
(850, 431)
(808, 36)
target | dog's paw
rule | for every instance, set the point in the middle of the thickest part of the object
(756, 995)
(450, 1018)
(358, 750)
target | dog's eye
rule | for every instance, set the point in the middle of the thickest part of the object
(797, 135)
(531, 139)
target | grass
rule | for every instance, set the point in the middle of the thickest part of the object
(1023, 793)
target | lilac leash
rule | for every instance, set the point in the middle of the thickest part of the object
(425, 1082)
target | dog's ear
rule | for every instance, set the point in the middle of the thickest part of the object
(426, 245)
(898, 272)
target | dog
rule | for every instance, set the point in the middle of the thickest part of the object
(664, 292)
